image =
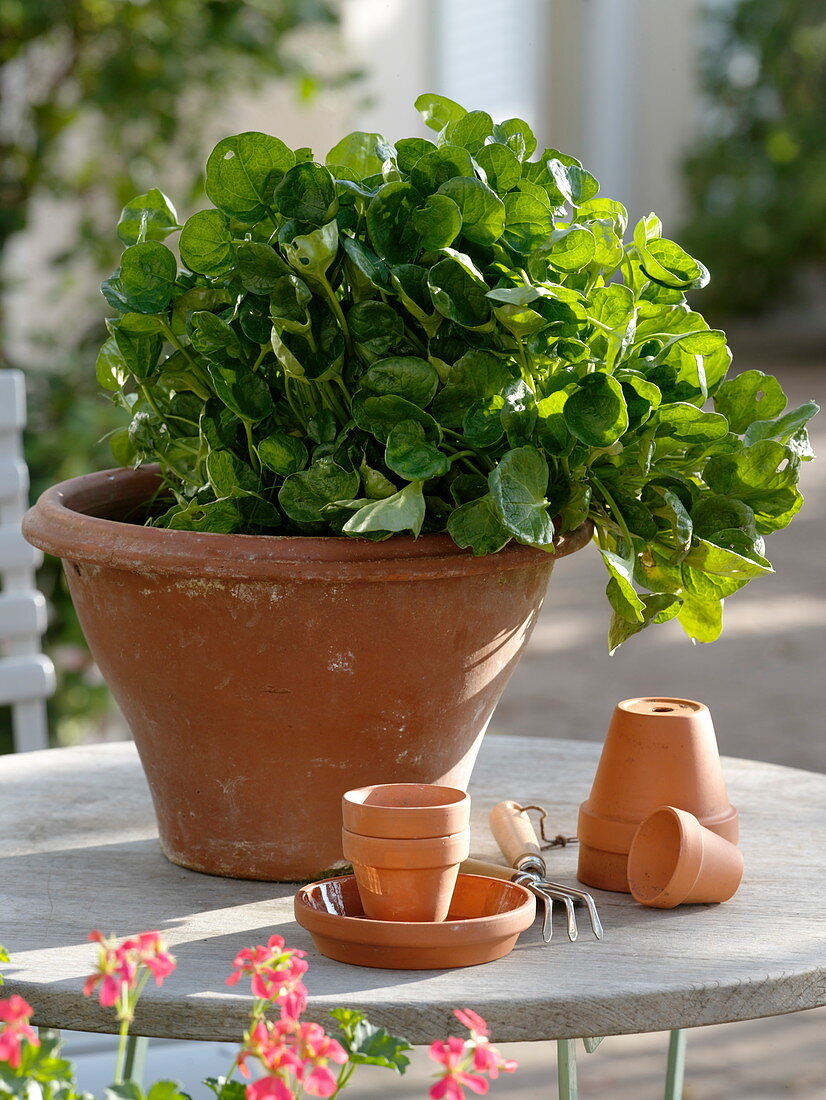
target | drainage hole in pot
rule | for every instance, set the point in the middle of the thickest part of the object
(663, 710)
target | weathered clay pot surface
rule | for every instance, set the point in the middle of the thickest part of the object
(262, 677)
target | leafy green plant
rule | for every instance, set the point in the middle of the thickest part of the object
(447, 335)
(756, 179)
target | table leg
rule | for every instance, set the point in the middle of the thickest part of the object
(675, 1071)
(133, 1063)
(566, 1069)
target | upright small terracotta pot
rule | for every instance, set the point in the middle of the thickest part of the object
(406, 880)
(406, 810)
(657, 752)
(674, 860)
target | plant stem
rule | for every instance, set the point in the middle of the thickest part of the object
(616, 513)
(254, 459)
(123, 1034)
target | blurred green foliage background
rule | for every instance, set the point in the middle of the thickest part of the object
(756, 180)
(96, 96)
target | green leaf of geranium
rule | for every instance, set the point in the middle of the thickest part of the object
(518, 486)
(149, 217)
(374, 1046)
(242, 172)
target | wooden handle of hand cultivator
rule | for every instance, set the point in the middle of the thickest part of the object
(489, 870)
(515, 834)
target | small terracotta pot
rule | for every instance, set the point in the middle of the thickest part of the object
(407, 880)
(674, 860)
(406, 810)
(657, 752)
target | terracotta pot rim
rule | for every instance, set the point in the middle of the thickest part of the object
(72, 520)
(406, 819)
(359, 929)
(662, 708)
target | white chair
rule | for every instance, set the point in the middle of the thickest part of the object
(27, 677)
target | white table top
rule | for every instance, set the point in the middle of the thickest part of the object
(79, 850)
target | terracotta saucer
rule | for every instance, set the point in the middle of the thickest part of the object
(483, 924)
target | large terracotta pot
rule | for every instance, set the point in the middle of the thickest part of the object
(262, 677)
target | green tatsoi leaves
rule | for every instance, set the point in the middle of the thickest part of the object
(445, 335)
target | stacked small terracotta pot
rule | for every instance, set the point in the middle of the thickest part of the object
(658, 823)
(406, 842)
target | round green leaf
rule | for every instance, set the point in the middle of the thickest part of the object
(410, 455)
(404, 376)
(147, 276)
(242, 171)
(572, 248)
(501, 166)
(438, 111)
(596, 412)
(409, 150)
(438, 166)
(438, 222)
(207, 245)
(361, 152)
(517, 488)
(528, 222)
(750, 396)
(458, 293)
(404, 511)
(242, 390)
(476, 525)
(149, 217)
(282, 453)
(307, 193)
(259, 266)
(471, 131)
(391, 225)
(305, 495)
(483, 212)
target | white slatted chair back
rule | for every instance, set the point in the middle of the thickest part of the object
(27, 677)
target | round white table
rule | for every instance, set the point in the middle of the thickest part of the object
(80, 851)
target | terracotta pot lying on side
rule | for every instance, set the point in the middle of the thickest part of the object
(674, 860)
(262, 677)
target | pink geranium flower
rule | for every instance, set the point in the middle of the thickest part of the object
(15, 1014)
(275, 974)
(486, 1058)
(119, 966)
(461, 1056)
(291, 1053)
